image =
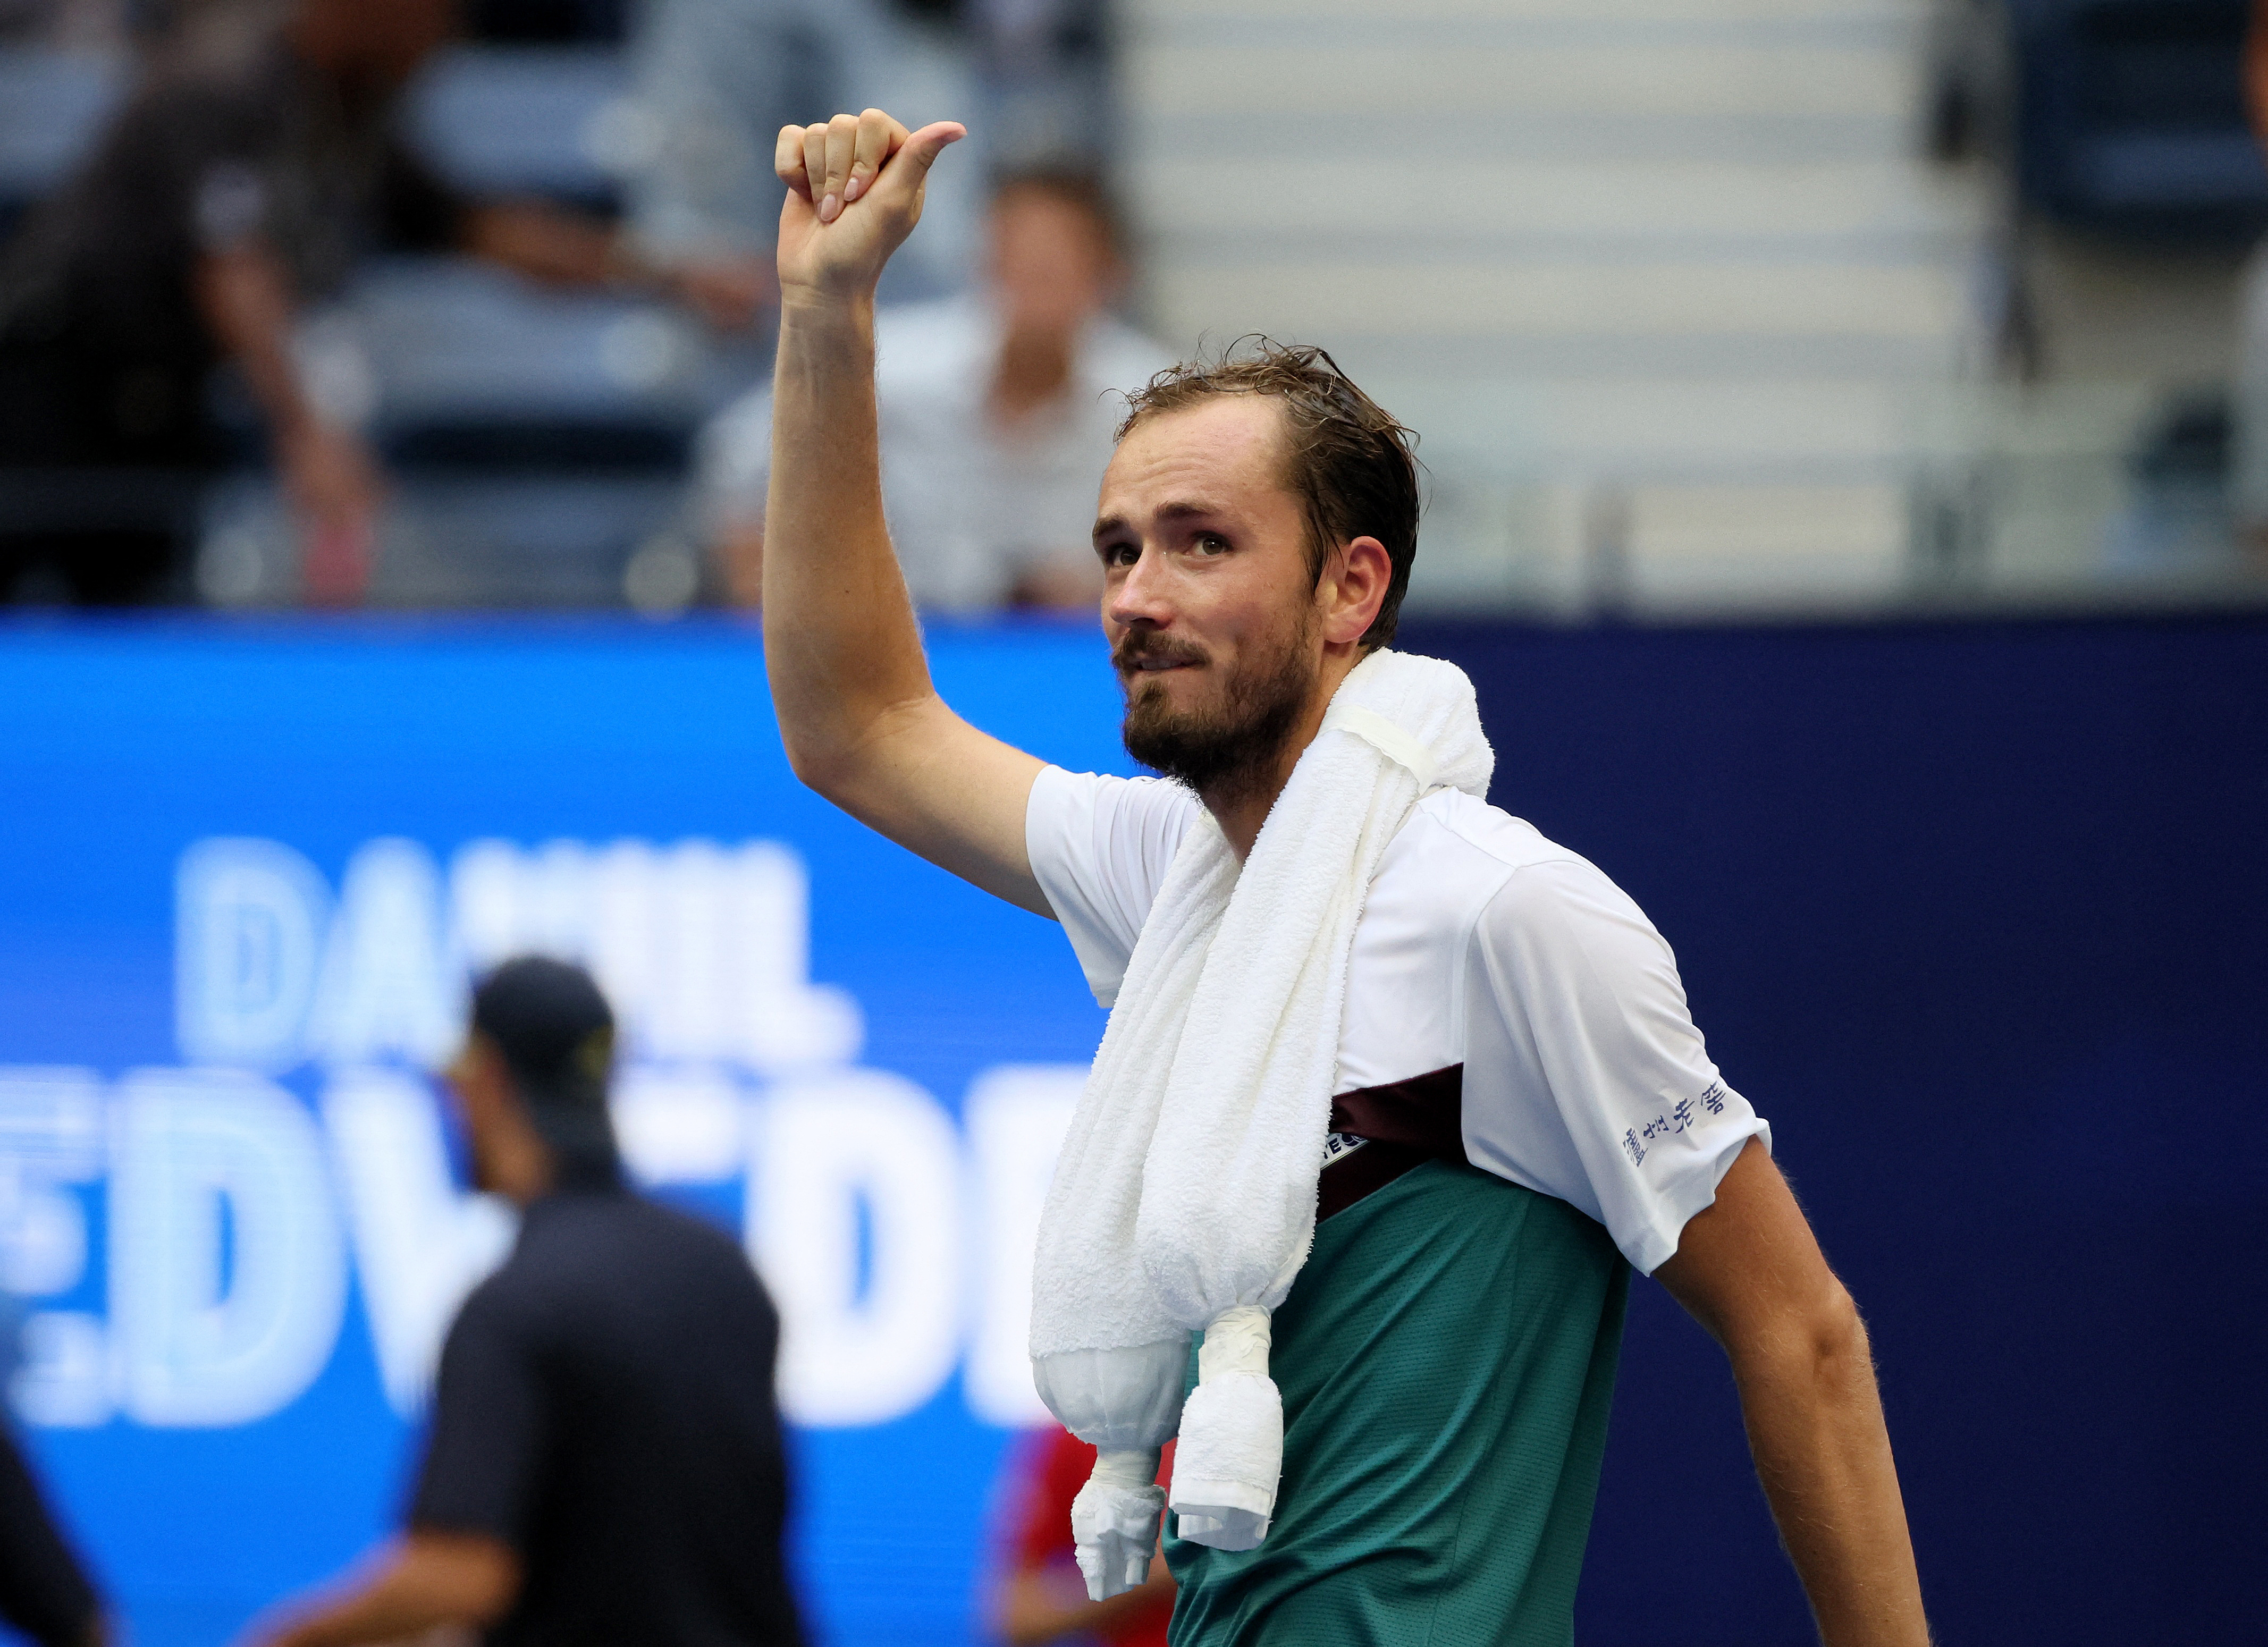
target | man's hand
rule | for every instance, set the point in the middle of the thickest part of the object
(335, 487)
(1035, 1609)
(868, 161)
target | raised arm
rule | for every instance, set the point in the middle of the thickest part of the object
(862, 723)
(1749, 1271)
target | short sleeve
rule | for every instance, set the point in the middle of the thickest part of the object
(1100, 848)
(1585, 1077)
(486, 1441)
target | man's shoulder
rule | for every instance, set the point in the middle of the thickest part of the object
(584, 1247)
(1112, 805)
(615, 1220)
(1462, 867)
(231, 74)
(1466, 848)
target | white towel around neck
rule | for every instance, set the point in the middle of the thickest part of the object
(1185, 1193)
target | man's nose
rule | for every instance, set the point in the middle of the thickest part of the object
(1141, 596)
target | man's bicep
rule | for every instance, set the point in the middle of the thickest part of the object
(953, 794)
(1748, 1266)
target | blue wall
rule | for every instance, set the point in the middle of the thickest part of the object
(1976, 914)
(1973, 913)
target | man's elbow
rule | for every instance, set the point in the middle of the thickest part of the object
(1839, 1345)
(1817, 1343)
(862, 762)
(1823, 1344)
(822, 766)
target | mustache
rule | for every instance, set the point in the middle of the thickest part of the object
(1137, 645)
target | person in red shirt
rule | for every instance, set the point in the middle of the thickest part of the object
(1038, 1596)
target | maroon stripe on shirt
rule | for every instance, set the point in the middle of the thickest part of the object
(1407, 1123)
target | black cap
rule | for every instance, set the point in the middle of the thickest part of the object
(556, 1035)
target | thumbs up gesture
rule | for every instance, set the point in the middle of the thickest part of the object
(855, 187)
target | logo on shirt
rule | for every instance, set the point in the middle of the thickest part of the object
(1681, 1117)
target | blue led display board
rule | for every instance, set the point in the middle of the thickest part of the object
(1973, 911)
(244, 874)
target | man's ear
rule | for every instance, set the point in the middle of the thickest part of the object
(1355, 583)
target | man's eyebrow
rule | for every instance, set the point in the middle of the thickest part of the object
(1186, 511)
(1110, 525)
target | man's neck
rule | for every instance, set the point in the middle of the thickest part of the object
(1240, 805)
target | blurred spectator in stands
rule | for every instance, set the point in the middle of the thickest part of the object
(254, 168)
(997, 415)
(1046, 73)
(546, 22)
(1038, 1596)
(605, 1463)
(714, 81)
(73, 25)
(2247, 456)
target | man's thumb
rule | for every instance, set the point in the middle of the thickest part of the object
(919, 152)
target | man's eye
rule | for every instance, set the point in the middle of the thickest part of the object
(1212, 543)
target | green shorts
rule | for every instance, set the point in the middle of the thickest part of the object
(1447, 1360)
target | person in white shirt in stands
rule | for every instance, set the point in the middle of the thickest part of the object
(997, 412)
(1521, 1111)
(711, 80)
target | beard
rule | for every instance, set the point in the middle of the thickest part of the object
(1229, 745)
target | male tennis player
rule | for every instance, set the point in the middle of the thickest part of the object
(1524, 1110)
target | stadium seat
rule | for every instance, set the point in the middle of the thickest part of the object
(51, 105)
(538, 439)
(2131, 121)
(527, 119)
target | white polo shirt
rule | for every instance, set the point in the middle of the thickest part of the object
(1483, 945)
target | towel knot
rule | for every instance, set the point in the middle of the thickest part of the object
(1232, 1451)
(1114, 1520)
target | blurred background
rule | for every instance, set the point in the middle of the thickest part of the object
(1711, 306)
(1847, 423)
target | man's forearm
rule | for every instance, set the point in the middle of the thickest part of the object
(246, 298)
(841, 642)
(383, 1613)
(1033, 1611)
(1814, 1422)
(421, 1581)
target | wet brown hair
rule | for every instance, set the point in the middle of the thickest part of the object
(1350, 463)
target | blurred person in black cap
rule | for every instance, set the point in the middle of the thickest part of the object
(256, 164)
(605, 1463)
(44, 1593)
